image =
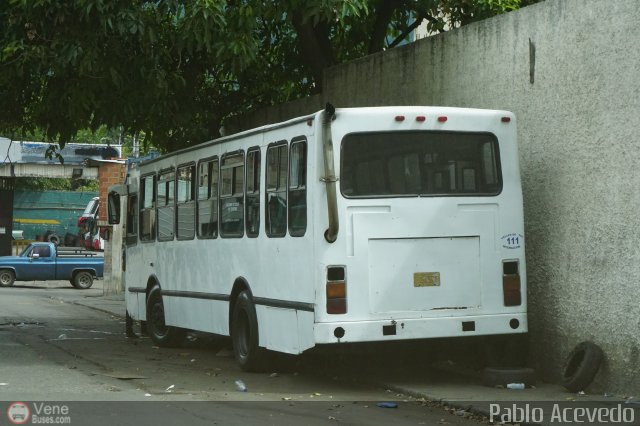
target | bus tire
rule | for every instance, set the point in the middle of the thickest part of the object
(581, 367)
(82, 280)
(244, 334)
(7, 278)
(161, 334)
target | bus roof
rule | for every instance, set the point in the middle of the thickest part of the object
(296, 120)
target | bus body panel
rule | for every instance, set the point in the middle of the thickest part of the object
(197, 276)
(419, 328)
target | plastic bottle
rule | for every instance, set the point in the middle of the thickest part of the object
(515, 386)
(241, 386)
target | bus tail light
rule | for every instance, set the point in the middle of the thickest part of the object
(511, 283)
(336, 290)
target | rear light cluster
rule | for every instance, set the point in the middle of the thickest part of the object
(511, 283)
(336, 290)
(442, 118)
(420, 118)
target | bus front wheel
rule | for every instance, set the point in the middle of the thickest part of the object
(244, 333)
(161, 334)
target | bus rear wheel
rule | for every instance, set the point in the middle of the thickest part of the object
(161, 333)
(244, 334)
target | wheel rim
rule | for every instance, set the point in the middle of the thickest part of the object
(157, 320)
(84, 280)
(5, 278)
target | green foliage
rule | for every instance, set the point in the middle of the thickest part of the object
(56, 184)
(170, 71)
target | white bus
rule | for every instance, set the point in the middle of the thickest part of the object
(348, 225)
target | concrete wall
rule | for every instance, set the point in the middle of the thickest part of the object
(570, 70)
(111, 172)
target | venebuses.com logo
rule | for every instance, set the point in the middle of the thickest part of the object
(18, 413)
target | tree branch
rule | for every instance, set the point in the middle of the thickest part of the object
(315, 47)
(406, 32)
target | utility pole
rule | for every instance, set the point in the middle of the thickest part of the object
(136, 146)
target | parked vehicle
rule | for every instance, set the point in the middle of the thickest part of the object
(242, 236)
(46, 261)
(90, 213)
(88, 225)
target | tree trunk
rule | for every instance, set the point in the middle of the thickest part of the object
(315, 47)
(381, 24)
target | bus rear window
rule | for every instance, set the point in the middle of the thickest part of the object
(400, 164)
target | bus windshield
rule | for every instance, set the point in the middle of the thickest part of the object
(426, 163)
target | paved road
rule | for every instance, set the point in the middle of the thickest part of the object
(55, 350)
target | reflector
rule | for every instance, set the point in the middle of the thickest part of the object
(511, 290)
(337, 306)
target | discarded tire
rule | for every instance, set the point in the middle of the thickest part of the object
(581, 367)
(503, 376)
(53, 238)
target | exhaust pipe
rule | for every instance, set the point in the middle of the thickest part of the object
(330, 179)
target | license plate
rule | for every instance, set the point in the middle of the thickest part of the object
(426, 279)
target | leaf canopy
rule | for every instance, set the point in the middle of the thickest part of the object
(174, 69)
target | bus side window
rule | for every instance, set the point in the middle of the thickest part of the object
(298, 188)
(276, 196)
(132, 219)
(166, 208)
(232, 196)
(208, 199)
(253, 192)
(148, 208)
(186, 202)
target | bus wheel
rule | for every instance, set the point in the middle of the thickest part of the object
(7, 278)
(160, 333)
(244, 333)
(82, 280)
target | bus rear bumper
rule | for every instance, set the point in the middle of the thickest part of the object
(419, 328)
